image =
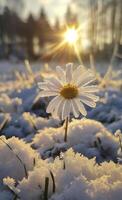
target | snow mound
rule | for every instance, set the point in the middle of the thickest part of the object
(85, 136)
(80, 179)
(28, 123)
(10, 105)
(109, 109)
(10, 165)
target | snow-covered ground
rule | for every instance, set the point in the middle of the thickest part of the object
(32, 150)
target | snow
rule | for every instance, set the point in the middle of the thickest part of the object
(83, 136)
(81, 178)
(8, 158)
(88, 166)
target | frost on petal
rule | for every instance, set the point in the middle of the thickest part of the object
(69, 72)
(88, 101)
(47, 93)
(61, 74)
(55, 82)
(91, 89)
(80, 106)
(66, 109)
(59, 111)
(57, 107)
(86, 78)
(90, 96)
(43, 85)
(52, 104)
(75, 109)
(77, 72)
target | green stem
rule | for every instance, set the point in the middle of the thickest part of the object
(66, 129)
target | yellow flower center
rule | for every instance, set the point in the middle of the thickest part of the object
(69, 91)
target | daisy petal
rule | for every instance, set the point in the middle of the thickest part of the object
(74, 108)
(66, 109)
(88, 101)
(55, 82)
(51, 105)
(91, 89)
(69, 72)
(80, 107)
(59, 111)
(42, 85)
(47, 93)
(61, 74)
(52, 87)
(86, 82)
(57, 107)
(87, 77)
(77, 72)
(91, 96)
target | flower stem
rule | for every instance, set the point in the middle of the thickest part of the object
(66, 129)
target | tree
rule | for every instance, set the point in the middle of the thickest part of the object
(16, 6)
(70, 17)
(30, 33)
(44, 30)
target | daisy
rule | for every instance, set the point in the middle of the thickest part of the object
(71, 90)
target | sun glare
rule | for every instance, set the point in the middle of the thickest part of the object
(70, 39)
(71, 36)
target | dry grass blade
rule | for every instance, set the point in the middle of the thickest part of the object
(53, 180)
(3, 124)
(93, 67)
(46, 188)
(12, 150)
(33, 123)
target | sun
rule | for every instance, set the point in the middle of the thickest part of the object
(71, 35)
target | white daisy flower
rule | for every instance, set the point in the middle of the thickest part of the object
(71, 90)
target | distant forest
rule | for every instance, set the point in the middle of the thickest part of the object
(29, 38)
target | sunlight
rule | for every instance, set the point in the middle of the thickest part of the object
(71, 35)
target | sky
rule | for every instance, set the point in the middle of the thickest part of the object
(54, 8)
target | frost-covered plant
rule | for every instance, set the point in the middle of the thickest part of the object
(71, 90)
(110, 78)
(11, 183)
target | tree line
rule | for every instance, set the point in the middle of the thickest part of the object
(16, 33)
(103, 29)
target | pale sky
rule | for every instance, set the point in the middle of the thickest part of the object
(53, 8)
